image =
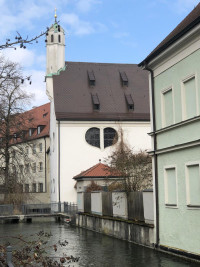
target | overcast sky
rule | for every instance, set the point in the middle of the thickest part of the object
(113, 31)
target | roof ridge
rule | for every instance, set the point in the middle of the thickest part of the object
(101, 63)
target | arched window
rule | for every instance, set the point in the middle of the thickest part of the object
(92, 137)
(110, 137)
(52, 38)
(59, 38)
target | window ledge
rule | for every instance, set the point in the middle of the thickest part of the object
(190, 206)
(171, 206)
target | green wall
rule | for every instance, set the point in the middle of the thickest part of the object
(173, 77)
(179, 226)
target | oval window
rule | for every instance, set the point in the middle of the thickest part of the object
(92, 137)
(110, 137)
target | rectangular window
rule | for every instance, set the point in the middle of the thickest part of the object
(21, 168)
(34, 188)
(34, 148)
(40, 147)
(26, 188)
(34, 167)
(41, 166)
(170, 186)
(27, 168)
(40, 189)
(189, 98)
(167, 107)
(193, 184)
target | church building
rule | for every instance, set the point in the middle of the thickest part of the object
(91, 104)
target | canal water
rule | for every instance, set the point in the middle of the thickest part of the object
(93, 249)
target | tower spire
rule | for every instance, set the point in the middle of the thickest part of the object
(55, 16)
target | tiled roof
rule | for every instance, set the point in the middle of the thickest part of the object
(99, 170)
(73, 90)
(187, 24)
(38, 116)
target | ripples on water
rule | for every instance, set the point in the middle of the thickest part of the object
(94, 249)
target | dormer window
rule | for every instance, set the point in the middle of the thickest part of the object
(124, 78)
(91, 78)
(15, 136)
(45, 114)
(129, 102)
(38, 129)
(95, 101)
(30, 131)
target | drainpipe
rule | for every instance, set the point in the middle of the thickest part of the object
(59, 203)
(146, 67)
(45, 164)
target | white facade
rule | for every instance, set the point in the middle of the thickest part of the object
(77, 155)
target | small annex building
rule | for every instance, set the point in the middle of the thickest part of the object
(90, 104)
(101, 174)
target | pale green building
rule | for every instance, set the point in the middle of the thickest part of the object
(174, 67)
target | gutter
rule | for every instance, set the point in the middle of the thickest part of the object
(146, 67)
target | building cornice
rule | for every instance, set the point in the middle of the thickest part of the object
(175, 147)
(176, 125)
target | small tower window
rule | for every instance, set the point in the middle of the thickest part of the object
(59, 38)
(52, 38)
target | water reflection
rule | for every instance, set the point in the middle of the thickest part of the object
(94, 249)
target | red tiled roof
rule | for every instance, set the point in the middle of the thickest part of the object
(98, 170)
(186, 24)
(38, 116)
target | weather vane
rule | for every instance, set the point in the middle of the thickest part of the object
(55, 16)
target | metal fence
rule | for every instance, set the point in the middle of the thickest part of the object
(41, 208)
(70, 208)
(6, 209)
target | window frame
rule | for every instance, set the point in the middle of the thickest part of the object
(26, 186)
(40, 147)
(163, 113)
(183, 97)
(34, 167)
(187, 183)
(40, 185)
(40, 166)
(166, 193)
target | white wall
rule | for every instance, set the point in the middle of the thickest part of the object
(77, 155)
(53, 155)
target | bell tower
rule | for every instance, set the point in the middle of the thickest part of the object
(55, 46)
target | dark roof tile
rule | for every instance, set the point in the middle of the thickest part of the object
(72, 93)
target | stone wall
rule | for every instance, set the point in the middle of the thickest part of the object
(139, 233)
